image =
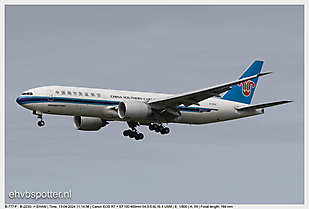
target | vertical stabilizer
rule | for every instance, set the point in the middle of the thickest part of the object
(244, 92)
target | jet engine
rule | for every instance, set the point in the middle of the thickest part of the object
(88, 123)
(133, 110)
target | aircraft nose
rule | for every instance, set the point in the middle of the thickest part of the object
(18, 100)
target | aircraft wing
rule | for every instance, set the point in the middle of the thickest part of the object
(260, 106)
(194, 97)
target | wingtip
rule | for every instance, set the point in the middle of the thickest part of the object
(288, 101)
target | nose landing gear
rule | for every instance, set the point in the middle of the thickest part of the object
(40, 116)
(41, 123)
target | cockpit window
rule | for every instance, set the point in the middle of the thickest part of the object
(27, 93)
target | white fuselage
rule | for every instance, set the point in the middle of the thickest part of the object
(93, 102)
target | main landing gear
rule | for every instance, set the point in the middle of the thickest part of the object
(133, 133)
(159, 128)
(40, 116)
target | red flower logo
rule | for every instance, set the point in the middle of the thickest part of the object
(246, 87)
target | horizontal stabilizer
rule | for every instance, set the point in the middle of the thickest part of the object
(260, 106)
(264, 73)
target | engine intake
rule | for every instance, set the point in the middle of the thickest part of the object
(133, 110)
(88, 123)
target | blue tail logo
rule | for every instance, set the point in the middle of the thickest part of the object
(244, 91)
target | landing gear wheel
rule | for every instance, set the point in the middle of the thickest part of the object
(157, 129)
(166, 130)
(41, 123)
(155, 126)
(161, 128)
(151, 127)
(131, 134)
(135, 134)
(126, 132)
(140, 136)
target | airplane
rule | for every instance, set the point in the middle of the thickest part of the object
(94, 108)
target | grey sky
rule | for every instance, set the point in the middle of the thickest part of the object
(168, 49)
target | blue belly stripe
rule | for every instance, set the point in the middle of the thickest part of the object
(39, 99)
(28, 100)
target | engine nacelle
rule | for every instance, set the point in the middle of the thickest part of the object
(133, 110)
(88, 123)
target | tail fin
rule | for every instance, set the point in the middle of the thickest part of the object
(244, 92)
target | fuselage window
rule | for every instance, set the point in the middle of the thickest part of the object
(63, 92)
(80, 93)
(86, 94)
(57, 92)
(92, 94)
(69, 93)
(74, 93)
(98, 94)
